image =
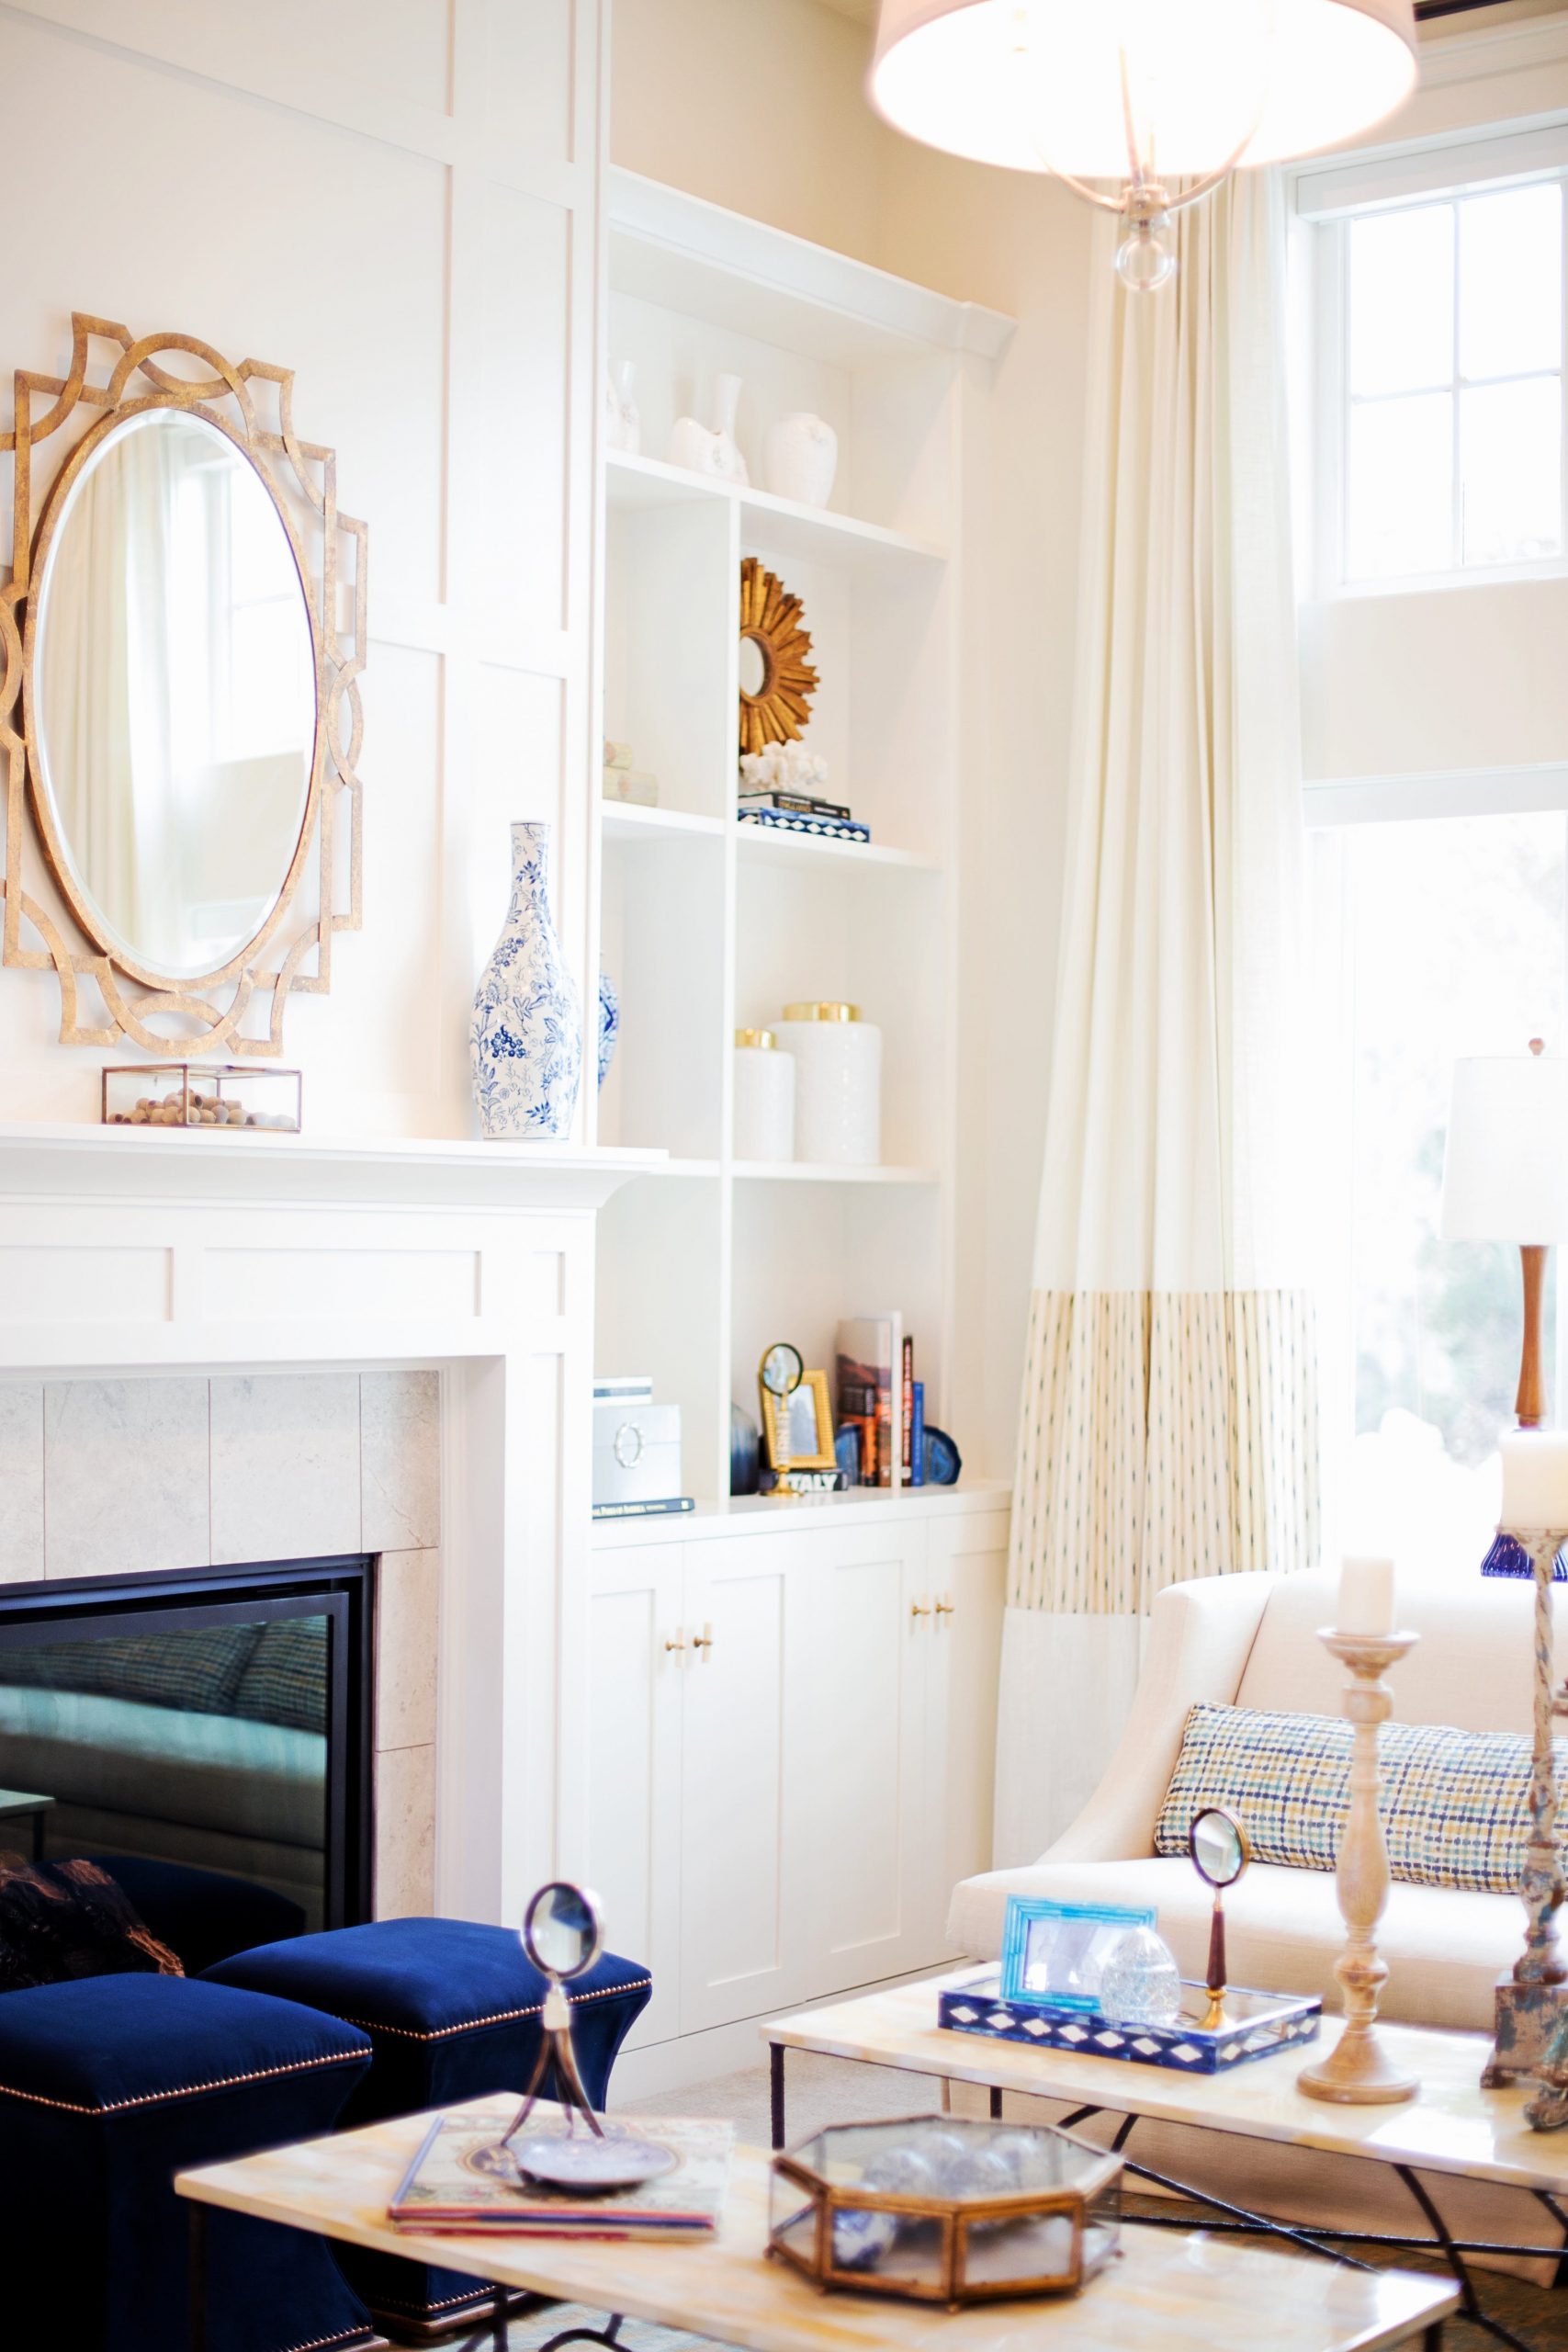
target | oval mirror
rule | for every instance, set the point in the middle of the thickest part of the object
(174, 696)
(562, 1932)
(1217, 1843)
(753, 668)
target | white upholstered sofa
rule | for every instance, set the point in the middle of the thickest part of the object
(1251, 1641)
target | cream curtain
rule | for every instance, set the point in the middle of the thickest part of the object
(1168, 1418)
(108, 688)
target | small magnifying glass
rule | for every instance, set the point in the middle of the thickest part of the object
(1217, 1844)
(781, 1372)
(563, 1935)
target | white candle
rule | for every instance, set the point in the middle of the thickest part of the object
(1366, 1597)
(1535, 1479)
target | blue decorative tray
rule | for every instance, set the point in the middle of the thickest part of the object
(1258, 2025)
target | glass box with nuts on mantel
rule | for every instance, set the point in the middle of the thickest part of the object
(222, 1095)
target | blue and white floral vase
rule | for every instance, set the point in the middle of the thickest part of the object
(526, 1043)
(609, 1023)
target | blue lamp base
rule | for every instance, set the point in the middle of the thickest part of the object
(1508, 1557)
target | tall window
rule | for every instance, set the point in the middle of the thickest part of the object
(1433, 360)
(1450, 416)
(1451, 939)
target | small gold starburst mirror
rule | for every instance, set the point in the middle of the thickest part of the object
(777, 680)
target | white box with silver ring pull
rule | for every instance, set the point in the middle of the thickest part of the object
(637, 1443)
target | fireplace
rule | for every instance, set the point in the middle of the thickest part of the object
(219, 1720)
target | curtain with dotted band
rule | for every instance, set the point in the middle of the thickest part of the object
(1169, 1417)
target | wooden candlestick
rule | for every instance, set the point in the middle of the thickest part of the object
(1357, 2071)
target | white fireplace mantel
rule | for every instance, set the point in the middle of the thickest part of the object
(153, 1252)
(198, 1164)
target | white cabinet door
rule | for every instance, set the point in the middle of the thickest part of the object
(872, 1629)
(744, 1851)
(633, 1765)
(967, 1561)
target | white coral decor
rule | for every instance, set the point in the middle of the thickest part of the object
(783, 767)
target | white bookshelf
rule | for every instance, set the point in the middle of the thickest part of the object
(709, 925)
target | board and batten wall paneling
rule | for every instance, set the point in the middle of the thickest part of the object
(398, 200)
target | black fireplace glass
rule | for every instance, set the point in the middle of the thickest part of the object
(215, 1721)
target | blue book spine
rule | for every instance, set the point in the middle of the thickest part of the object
(918, 1434)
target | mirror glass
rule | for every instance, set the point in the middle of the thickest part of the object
(173, 693)
(782, 1368)
(561, 1929)
(753, 667)
(1217, 1847)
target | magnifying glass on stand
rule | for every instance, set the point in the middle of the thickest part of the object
(779, 1374)
(1218, 1846)
(563, 1935)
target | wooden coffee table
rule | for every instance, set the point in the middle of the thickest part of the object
(1452, 2126)
(1168, 2292)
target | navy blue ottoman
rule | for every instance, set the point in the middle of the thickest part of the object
(108, 2087)
(452, 2009)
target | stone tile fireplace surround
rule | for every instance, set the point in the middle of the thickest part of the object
(129, 1475)
(237, 1347)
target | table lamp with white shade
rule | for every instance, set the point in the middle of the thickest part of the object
(1506, 1178)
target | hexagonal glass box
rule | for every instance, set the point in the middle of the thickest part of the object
(946, 2209)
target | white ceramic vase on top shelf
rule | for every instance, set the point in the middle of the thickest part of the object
(800, 457)
(623, 424)
(525, 1041)
(712, 449)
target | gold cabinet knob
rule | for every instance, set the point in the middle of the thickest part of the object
(944, 1608)
(704, 1642)
(679, 1642)
(919, 1609)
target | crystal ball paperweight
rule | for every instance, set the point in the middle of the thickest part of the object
(1140, 1983)
(945, 2209)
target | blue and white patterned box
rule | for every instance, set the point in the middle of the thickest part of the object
(1261, 2024)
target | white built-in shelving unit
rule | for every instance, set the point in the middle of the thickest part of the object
(707, 925)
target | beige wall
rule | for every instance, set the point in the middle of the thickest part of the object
(765, 111)
(754, 104)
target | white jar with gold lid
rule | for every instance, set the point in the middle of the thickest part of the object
(838, 1083)
(764, 1097)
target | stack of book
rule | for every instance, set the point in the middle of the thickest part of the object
(463, 2184)
(802, 812)
(879, 1398)
(623, 782)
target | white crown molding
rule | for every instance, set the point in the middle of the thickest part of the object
(1505, 49)
(1514, 77)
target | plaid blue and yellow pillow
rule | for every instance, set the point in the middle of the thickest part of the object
(1454, 1804)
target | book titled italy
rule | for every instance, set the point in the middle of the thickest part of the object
(462, 2182)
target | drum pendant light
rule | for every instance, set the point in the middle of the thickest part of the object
(1162, 98)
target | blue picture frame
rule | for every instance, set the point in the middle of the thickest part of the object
(1053, 1952)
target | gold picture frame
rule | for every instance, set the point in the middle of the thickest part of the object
(782, 1425)
(776, 710)
(251, 402)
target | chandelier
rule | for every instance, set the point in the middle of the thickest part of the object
(1161, 97)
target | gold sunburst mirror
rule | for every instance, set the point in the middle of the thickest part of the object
(777, 680)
